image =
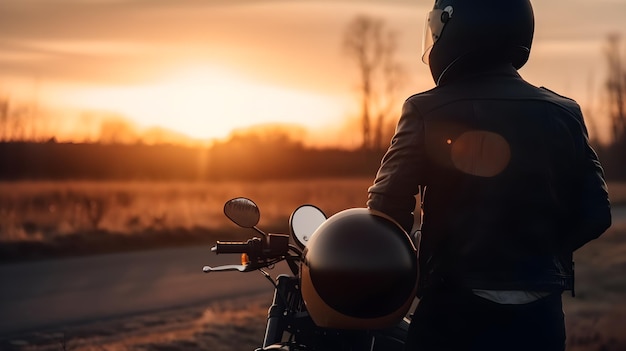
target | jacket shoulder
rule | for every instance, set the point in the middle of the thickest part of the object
(426, 100)
(423, 94)
(559, 99)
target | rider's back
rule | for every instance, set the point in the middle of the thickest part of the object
(504, 165)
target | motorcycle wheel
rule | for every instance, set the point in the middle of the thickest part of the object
(391, 339)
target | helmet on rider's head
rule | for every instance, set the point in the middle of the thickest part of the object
(359, 272)
(463, 34)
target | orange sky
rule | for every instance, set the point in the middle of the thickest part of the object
(202, 68)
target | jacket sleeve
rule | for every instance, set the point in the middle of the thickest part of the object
(400, 174)
(592, 208)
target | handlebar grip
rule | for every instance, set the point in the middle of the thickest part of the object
(231, 247)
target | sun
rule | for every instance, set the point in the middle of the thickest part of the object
(209, 102)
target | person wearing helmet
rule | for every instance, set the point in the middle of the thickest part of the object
(510, 186)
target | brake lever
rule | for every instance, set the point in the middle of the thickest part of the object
(227, 268)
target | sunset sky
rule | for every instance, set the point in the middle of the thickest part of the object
(204, 67)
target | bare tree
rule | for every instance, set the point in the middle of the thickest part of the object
(19, 122)
(373, 48)
(4, 118)
(616, 88)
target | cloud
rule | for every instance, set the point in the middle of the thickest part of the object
(129, 40)
(283, 41)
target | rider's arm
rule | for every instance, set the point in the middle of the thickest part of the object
(592, 213)
(398, 178)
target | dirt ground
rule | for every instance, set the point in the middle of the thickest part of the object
(236, 325)
(595, 317)
(220, 326)
(597, 330)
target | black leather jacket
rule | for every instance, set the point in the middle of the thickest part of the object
(512, 186)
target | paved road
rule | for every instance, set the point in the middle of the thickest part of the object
(49, 293)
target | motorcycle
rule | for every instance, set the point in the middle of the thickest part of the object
(289, 323)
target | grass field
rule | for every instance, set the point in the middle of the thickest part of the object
(52, 219)
(64, 218)
(40, 210)
(36, 211)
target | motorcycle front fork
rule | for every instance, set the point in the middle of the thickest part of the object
(276, 322)
(286, 300)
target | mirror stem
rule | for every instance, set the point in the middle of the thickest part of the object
(260, 231)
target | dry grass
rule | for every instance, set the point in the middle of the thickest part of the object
(40, 219)
(35, 211)
(54, 219)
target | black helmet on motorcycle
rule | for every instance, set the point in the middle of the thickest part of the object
(466, 33)
(359, 272)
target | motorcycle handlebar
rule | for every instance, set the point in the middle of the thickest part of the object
(273, 246)
(234, 247)
(259, 253)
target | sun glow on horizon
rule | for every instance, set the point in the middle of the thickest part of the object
(209, 102)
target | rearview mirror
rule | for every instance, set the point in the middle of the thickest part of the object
(242, 211)
(304, 222)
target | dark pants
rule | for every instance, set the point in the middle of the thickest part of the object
(458, 320)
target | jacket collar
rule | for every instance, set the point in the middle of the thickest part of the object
(463, 70)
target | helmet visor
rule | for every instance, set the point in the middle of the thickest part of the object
(435, 21)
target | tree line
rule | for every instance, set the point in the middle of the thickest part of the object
(248, 157)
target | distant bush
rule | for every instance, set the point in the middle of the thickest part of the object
(241, 158)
